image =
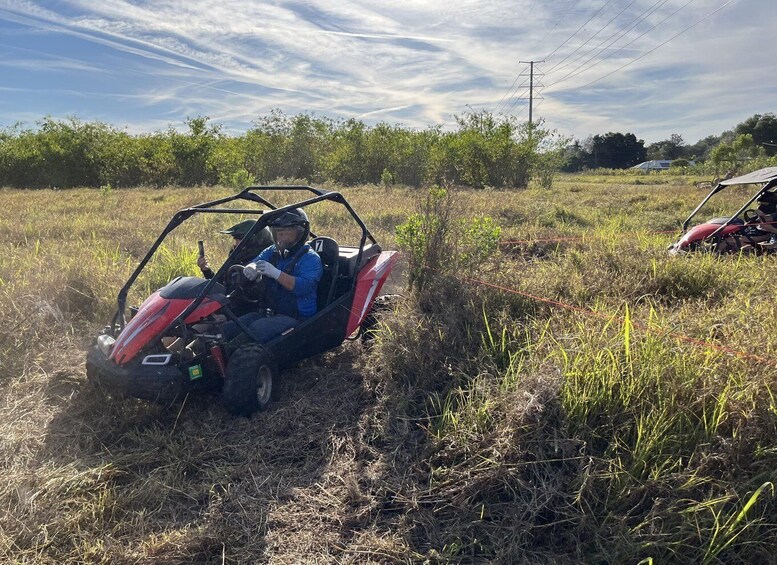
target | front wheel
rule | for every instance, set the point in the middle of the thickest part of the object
(248, 386)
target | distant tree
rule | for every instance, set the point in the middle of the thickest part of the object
(730, 155)
(616, 151)
(574, 158)
(192, 151)
(763, 128)
(672, 148)
(700, 150)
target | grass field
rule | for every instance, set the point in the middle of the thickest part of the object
(629, 417)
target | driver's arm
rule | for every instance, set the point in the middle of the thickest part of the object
(767, 222)
(286, 281)
(204, 266)
(309, 271)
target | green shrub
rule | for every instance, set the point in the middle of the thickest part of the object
(439, 239)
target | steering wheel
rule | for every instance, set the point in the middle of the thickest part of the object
(249, 291)
(751, 217)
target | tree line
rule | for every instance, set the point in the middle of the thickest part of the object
(482, 151)
(755, 139)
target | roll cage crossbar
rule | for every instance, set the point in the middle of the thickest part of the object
(766, 177)
(265, 216)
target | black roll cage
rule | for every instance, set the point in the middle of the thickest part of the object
(265, 216)
(764, 188)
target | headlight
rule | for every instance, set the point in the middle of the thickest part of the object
(105, 344)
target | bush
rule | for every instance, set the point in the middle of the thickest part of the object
(440, 239)
(484, 152)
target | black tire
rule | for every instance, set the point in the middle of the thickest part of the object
(382, 305)
(248, 386)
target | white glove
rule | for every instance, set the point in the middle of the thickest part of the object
(251, 272)
(267, 269)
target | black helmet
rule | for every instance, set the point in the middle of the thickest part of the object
(239, 230)
(258, 241)
(291, 219)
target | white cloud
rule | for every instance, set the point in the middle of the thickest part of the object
(414, 61)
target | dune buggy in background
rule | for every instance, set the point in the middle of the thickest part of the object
(743, 230)
(173, 345)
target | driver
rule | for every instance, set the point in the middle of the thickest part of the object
(291, 271)
(761, 226)
(767, 214)
(257, 242)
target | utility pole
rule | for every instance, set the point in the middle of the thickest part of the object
(531, 87)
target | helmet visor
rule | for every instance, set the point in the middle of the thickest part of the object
(286, 237)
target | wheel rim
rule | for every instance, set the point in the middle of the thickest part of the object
(264, 385)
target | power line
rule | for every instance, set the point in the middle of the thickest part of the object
(496, 109)
(577, 31)
(661, 44)
(580, 68)
(614, 37)
(558, 21)
(531, 87)
(558, 65)
(590, 38)
(516, 100)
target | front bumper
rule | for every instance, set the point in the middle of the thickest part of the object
(149, 382)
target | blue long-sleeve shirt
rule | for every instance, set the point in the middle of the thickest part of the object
(301, 302)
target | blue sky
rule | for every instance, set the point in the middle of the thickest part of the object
(651, 67)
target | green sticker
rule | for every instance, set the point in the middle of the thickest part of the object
(195, 372)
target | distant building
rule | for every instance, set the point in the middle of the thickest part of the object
(656, 165)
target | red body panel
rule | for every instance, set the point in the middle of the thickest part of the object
(368, 284)
(702, 231)
(154, 315)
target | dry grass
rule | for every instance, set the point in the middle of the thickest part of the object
(481, 426)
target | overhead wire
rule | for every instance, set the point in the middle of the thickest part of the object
(660, 44)
(613, 38)
(511, 89)
(559, 64)
(558, 21)
(516, 100)
(515, 89)
(576, 31)
(580, 69)
(594, 35)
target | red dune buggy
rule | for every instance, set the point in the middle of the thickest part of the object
(748, 229)
(172, 345)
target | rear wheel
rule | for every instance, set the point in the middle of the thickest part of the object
(248, 386)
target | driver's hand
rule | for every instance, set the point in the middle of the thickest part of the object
(251, 272)
(267, 269)
(202, 263)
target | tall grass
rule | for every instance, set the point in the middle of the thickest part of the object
(609, 423)
(481, 425)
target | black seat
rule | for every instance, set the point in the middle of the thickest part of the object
(329, 251)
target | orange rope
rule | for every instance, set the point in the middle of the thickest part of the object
(579, 238)
(637, 324)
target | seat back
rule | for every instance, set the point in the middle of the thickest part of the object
(329, 251)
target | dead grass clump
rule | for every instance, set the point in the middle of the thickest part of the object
(77, 300)
(431, 332)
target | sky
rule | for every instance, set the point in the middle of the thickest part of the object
(649, 67)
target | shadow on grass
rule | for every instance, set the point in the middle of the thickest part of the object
(189, 483)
